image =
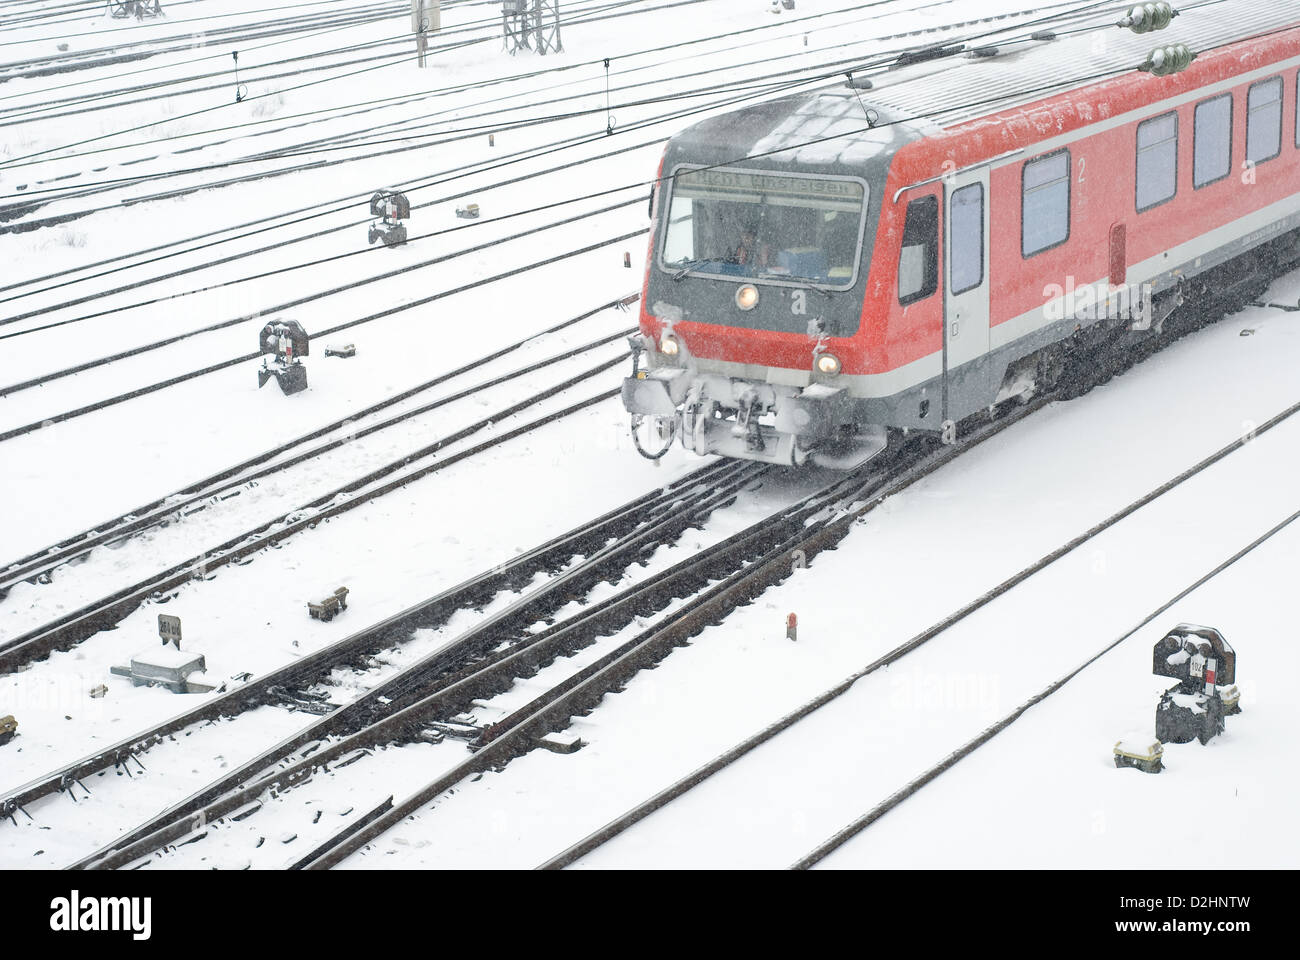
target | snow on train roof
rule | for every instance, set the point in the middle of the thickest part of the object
(816, 129)
(954, 89)
(822, 124)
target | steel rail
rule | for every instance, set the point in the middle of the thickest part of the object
(832, 844)
(724, 760)
(77, 625)
(346, 325)
(41, 562)
(514, 573)
(806, 530)
(437, 676)
(553, 709)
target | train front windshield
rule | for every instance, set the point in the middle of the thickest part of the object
(764, 226)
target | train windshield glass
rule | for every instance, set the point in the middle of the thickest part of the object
(766, 226)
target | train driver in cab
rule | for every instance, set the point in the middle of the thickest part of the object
(750, 254)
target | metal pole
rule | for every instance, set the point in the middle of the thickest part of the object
(419, 27)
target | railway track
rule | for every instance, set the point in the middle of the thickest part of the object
(229, 481)
(316, 335)
(728, 579)
(725, 576)
(823, 71)
(841, 837)
(65, 415)
(412, 709)
(414, 698)
(712, 582)
(938, 629)
(74, 626)
(144, 48)
(621, 524)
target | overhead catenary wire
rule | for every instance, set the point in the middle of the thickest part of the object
(305, 85)
(225, 364)
(169, 22)
(528, 155)
(646, 52)
(398, 38)
(214, 233)
(524, 155)
(453, 89)
(292, 268)
(48, 103)
(155, 248)
(564, 67)
(38, 67)
(422, 141)
(1000, 98)
(551, 147)
(799, 145)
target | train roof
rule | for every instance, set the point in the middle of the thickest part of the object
(814, 131)
(954, 89)
(803, 132)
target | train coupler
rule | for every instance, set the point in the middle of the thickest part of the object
(746, 426)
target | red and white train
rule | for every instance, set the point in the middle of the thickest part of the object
(911, 247)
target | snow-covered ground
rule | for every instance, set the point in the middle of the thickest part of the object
(1044, 793)
(919, 557)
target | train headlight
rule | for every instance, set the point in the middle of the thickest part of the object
(747, 297)
(669, 346)
(828, 364)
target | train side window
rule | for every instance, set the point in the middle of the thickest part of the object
(918, 261)
(1045, 203)
(1264, 120)
(966, 238)
(1157, 161)
(1212, 140)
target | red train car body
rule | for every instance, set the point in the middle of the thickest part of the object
(829, 268)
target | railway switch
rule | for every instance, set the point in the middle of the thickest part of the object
(175, 670)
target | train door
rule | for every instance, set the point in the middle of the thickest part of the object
(966, 294)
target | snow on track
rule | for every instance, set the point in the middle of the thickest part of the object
(1044, 792)
(918, 557)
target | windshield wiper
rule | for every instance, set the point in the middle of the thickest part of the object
(688, 265)
(825, 291)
